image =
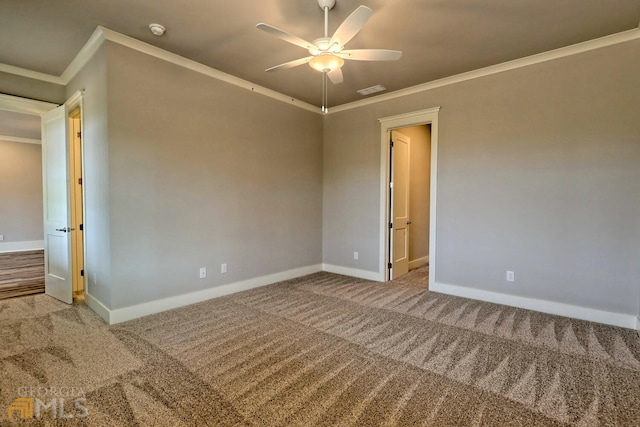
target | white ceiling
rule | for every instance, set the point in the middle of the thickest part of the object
(439, 38)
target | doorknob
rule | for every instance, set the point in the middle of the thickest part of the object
(408, 222)
(65, 229)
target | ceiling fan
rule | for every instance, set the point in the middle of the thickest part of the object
(327, 54)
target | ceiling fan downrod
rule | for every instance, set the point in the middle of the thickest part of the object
(326, 6)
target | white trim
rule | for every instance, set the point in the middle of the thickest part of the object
(562, 52)
(139, 310)
(86, 53)
(544, 306)
(408, 119)
(354, 272)
(23, 72)
(101, 34)
(32, 245)
(77, 101)
(414, 118)
(19, 139)
(95, 305)
(418, 262)
(24, 105)
(199, 68)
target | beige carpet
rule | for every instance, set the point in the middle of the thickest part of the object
(21, 273)
(322, 350)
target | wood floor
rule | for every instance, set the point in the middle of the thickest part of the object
(21, 273)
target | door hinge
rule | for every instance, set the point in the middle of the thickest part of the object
(81, 226)
(79, 134)
(389, 265)
(390, 225)
(80, 181)
(391, 143)
(82, 272)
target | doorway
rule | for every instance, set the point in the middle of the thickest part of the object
(22, 263)
(387, 245)
(70, 259)
(410, 163)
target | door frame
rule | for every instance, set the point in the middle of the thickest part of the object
(387, 124)
(77, 101)
(16, 104)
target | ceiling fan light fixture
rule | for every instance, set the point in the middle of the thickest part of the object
(326, 62)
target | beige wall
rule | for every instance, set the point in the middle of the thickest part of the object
(198, 173)
(538, 172)
(420, 169)
(20, 192)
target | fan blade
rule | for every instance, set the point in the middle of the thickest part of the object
(370, 54)
(336, 76)
(288, 37)
(290, 64)
(350, 26)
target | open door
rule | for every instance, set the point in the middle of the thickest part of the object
(399, 232)
(57, 231)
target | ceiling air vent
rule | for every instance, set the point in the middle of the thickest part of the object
(373, 89)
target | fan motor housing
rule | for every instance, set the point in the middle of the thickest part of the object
(326, 3)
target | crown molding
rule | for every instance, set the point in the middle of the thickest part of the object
(562, 52)
(16, 104)
(86, 53)
(35, 75)
(19, 139)
(201, 68)
(101, 34)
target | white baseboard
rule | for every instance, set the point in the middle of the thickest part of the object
(551, 307)
(95, 305)
(135, 311)
(33, 245)
(353, 272)
(418, 262)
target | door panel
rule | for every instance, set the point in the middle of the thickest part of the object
(57, 249)
(400, 206)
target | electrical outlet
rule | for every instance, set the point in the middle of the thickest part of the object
(356, 255)
(511, 276)
(203, 272)
(1, 237)
(223, 268)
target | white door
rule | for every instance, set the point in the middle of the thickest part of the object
(400, 205)
(57, 230)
